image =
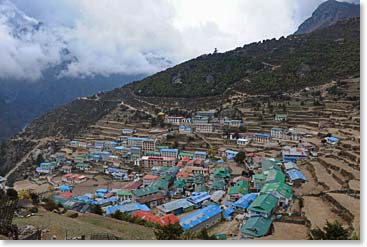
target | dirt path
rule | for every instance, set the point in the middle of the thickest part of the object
(19, 163)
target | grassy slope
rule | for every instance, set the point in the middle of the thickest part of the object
(85, 224)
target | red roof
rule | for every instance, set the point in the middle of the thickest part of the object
(164, 220)
(250, 155)
(185, 159)
(169, 219)
(179, 164)
(151, 177)
(132, 185)
(240, 178)
(66, 195)
(150, 198)
(190, 163)
(198, 162)
(183, 174)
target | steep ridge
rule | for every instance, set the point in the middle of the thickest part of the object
(327, 14)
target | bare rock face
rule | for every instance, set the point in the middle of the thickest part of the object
(327, 14)
(177, 79)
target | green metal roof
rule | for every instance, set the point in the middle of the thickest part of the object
(259, 176)
(82, 165)
(151, 153)
(179, 184)
(269, 164)
(145, 191)
(274, 175)
(160, 184)
(186, 154)
(282, 188)
(241, 187)
(201, 188)
(161, 147)
(199, 179)
(124, 193)
(256, 226)
(222, 172)
(218, 184)
(264, 203)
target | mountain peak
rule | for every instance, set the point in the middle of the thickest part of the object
(327, 14)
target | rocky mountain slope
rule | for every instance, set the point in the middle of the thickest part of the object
(299, 63)
(327, 14)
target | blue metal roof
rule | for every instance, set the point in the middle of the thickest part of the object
(199, 216)
(199, 197)
(129, 207)
(137, 138)
(185, 127)
(120, 148)
(200, 153)
(84, 199)
(104, 201)
(295, 174)
(113, 170)
(102, 190)
(65, 188)
(245, 201)
(332, 139)
(169, 150)
(262, 135)
(228, 212)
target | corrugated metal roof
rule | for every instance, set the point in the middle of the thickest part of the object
(199, 197)
(199, 216)
(294, 174)
(264, 203)
(245, 201)
(280, 187)
(256, 226)
(176, 204)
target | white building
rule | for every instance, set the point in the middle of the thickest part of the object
(203, 128)
(243, 141)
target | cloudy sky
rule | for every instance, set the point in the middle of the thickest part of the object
(135, 36)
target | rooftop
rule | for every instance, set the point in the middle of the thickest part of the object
(199, 216)
(256, 226)
(264, 203)
(175, 204)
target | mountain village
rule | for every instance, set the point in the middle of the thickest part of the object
(240, 171)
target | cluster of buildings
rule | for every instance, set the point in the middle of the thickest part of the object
(202, 122)
(204, 190)
(172, 182)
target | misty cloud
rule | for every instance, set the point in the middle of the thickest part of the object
(93, 37)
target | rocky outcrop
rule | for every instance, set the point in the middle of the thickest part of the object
(327, 14)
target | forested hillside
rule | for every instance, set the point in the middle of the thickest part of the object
(264, 67)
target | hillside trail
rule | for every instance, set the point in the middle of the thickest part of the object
(25, 158)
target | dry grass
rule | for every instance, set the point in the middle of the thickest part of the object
(61, 225)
